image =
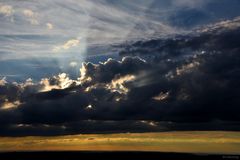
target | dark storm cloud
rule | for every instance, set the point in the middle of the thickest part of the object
(105, 72)
(207, 38)
(177, 91)
(10, 92)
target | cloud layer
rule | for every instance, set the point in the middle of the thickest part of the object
(190, 83)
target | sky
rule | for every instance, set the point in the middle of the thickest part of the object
(99, 66)
(53, 35)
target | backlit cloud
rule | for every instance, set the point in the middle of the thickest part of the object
(117, 84)
(10, 105)
(61, 81)
(161, 96)
(3, 81)
(186, 68)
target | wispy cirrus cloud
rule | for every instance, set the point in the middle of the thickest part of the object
(91, 20)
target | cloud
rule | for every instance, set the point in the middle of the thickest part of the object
(161, 96)
(6, 10)
(73, 64)
(10, 105)
(67, 45)
(61, 81)
(71, 43)
(174, 87)
(195, 96)
(32, 16)
(49, 25)
(3, 81)
(117, 84)
(186, 68)
(203, 39)
(97, 72)
(221, 26)
(28, 13)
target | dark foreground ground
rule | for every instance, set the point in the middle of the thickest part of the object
(85, 155)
